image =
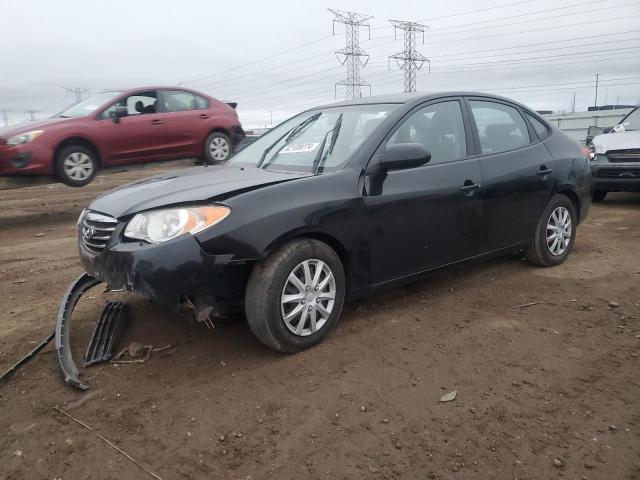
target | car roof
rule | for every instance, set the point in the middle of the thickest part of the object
(416, 97)
(144, 88)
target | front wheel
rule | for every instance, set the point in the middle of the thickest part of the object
(76, 166)
(294, 297)
(555, 233)
(217, 148)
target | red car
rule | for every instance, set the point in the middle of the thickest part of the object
(118, 128)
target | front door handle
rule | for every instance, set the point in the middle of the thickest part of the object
(544, 171)
(469, 188)
(156, 122)
(204, 115)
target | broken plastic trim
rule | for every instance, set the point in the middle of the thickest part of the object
(100, 348)
(68, 368)
(6, 376)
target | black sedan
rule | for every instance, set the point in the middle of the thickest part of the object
(338, 202)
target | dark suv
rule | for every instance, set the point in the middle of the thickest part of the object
(121, 127)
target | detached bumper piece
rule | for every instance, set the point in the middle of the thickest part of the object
(68, 368)
(107, 330)
(6, 376)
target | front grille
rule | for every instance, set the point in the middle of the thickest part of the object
(96, 230)
(627, 155)
(618, 173)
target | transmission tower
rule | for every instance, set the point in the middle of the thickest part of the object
(32, 115)
(410, 60)
(77, 92)
(5, 117)
(352, 56)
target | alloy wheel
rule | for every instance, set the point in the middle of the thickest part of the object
(559, 231)
(78, 166)
(219, 148)
(308, 297)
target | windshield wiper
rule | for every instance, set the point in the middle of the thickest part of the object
(319, 161)
(290, 134)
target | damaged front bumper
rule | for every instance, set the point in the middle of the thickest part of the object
(172, 273)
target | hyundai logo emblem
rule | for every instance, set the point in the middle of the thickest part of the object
(87, 233)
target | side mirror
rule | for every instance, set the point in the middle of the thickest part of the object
(619, 128)
(118, 113)
(401, 156)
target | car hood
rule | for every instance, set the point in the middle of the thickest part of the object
(616, 141)
(10, 131)
(191, 185)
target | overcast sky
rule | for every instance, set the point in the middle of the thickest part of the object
(538, 51)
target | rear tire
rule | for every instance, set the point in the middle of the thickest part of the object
(289, 315)
(217, 148)
(555, 233)
(599, 196)
(76, 166)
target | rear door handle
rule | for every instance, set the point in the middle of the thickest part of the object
(156, 122)
(470, 188)
(544, 171)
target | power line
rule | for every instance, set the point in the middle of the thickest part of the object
(352, 55)
(520, 15)
(409, 60)
(600, 20)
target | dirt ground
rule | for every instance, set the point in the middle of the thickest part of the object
(544, 391)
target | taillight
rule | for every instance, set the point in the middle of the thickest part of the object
(585, 152)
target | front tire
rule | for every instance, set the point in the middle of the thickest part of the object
(599, 196)
(217, 148)
(294, 297)
(555, 233)
(76, 166)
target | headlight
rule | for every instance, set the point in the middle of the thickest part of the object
(158, 226)
(592, 152)
(24, 137)
(84, 210)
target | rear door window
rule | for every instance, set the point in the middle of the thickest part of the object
(500, 127)
(178, 101)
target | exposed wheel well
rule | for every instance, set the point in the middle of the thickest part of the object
(78, 141)
(574, 199)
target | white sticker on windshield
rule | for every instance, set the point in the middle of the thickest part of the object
(300, 148)
(90, 108)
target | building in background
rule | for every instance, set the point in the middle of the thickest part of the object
(576, 124)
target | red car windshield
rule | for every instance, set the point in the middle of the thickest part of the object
(89, 105)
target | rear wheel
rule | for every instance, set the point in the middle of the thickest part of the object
(599, 195)
(555, 233)
(217, 148)
(76, 165)
(295, 296)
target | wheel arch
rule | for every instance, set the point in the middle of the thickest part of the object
(78, 140)
(573, 196)
(336, 244)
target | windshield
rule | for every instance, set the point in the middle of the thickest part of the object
(89, 105)
(316, 141)
(631, 122)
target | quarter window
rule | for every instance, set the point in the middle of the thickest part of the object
(539, 127)
(439, 127)
(201, 102)
(500, 126)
